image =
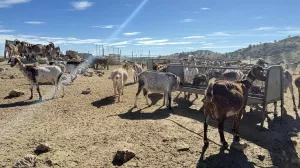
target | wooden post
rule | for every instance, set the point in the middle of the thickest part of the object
(102, 50)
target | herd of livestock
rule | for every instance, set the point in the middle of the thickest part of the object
(226, 89)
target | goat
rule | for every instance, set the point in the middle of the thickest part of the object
(189, 74)
(157, 82)
(232, 75)
(119, 78)
(137, 70)
(297, 84)
(287, 84)
(101, 61)
(72, 68)
(228, 98)
(37, 74)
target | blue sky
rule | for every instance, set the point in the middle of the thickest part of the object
(162, 26)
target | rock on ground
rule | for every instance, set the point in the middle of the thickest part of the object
(42, 148)
(86, 91)
(123, 156)
(88, 74)
(15, 93)
(28, 161)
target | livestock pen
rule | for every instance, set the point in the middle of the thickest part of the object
(273, 87)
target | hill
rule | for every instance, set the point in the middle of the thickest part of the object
(287, 49)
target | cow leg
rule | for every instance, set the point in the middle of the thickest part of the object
(145, 92)
(38, 90)
(115, 88)
(31, 91)
(140, 87)
(169, 100)
(205, 129)
(299, 98)
(221, 131)
(291, 88)
(275, 109)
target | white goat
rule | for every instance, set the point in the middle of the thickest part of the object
(287, 84)
(37, 74)
(137, 70)
(157, 82)
(71, 67)
(189, 75)
(119, 78)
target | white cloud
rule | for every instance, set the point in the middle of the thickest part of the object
(265, 28)
(144, 38)
(219, 34)
(106, 27)
(258, 17)
(160, 42)
(189, 48)
(121, 46)
(120, 43)
(193, 37)
(222, 47)
(205, 8)
(9, 3)
(202, 42)
(81, 5)
(34, 22)
(187, 20)
(45, 40)
(131, 33)
(5, 31)
(208, 44)
(290, 32)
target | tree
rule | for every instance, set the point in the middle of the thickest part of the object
(275, 41)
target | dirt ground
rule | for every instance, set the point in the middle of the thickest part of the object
(87, 130)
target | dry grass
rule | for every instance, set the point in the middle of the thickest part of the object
(87, 130)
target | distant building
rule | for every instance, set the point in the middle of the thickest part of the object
(85, 55)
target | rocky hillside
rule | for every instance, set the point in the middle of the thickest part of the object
(287, 49)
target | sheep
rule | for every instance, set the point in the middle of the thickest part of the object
(157, 82)
(228, 98)
(37, 74)
(119, 77)
(137, 70)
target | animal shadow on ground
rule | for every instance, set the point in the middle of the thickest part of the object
(104, 102)
(20, 103)
(129, 84)
(139, 115)
(276, 138)
(155, 97)
(232, 159)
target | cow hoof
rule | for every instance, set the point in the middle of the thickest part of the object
(30, 98)
(206, 143)
(224, 144)
(237, 138)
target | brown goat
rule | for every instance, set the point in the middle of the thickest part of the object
(228, 98)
